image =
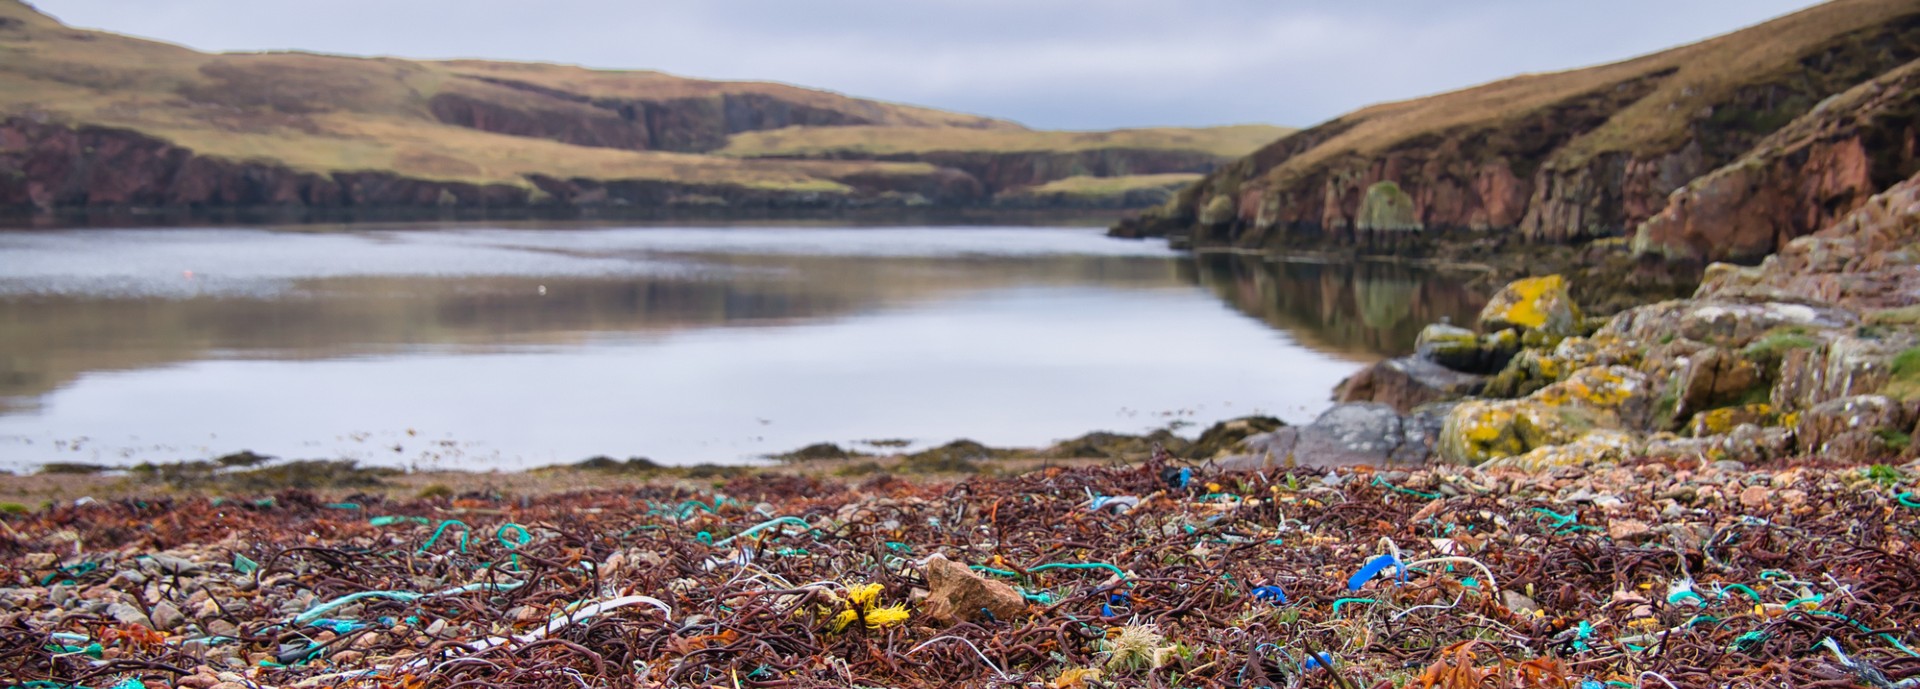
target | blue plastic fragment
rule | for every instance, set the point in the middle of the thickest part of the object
(1374, 568)
(1317, 660)
(1186, 476)
(1271, 594)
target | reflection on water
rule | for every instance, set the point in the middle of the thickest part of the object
(1367, 309)
(509, 348)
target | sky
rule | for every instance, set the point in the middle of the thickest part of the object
(1057, 64)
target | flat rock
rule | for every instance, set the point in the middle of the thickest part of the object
(127, 614)
(167, 617)
(1408, 382)
(955, 594)
(1351, 434)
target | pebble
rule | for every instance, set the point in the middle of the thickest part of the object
(1755, 496)
(167, 617)
(127, 614)
(1627, 529)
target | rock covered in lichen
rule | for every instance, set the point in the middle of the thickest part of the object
(1598, 397)
(1537, 304)
(1386, 207)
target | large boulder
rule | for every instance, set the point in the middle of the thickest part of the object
(1407, 382)
(1597, 397)
(1855, 428)
(1538, 304)
(1386, 207)
(1353, 434)
(1718, 377)
(1844, 367)
(1722, 323)
(1461, 349)
(1226, 437)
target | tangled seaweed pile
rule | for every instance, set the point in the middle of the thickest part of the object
(1644, 574)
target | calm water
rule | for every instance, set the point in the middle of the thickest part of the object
(498, 348)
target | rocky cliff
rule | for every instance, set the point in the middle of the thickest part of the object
(1813, 355)
(1813, 171)
(51, 166)
(1558, 157)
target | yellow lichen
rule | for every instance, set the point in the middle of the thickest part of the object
(1723, 420)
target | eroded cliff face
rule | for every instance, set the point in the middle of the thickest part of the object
(46, 166)
(688, 125)
(1552, 173)
(1805, 176)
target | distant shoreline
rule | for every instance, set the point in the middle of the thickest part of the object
(415, 217)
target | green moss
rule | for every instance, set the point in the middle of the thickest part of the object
(1908, 315)
(1665, 406)
(1779, 341)
(1896, 441)
(1884, 475)
(1387, 208)
(13, 508)
(437, 490)
(1904, 384)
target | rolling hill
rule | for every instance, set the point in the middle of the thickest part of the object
(1569, 156)
(90, 119)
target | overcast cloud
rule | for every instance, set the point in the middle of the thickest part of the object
(1072, 64)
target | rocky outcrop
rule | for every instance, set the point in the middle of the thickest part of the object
(1541, 158)
(1802, 178)
(1815, 352)
(1347, 435)
(49, 165)
(1407, 382)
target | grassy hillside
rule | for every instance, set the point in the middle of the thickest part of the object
(1556, 156)
(1687, 80)
(506, 124)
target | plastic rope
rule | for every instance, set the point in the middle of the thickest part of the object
(1864, 629)
(517, 543)
(1052, 565)
(796, 521)
(1409, 491)
(1344, 601)
(405, 596)
(442, 528)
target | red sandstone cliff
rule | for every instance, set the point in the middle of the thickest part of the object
(1804, 177)
(1552, 157)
